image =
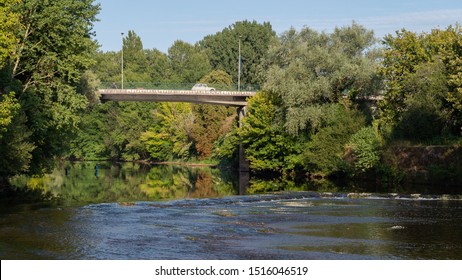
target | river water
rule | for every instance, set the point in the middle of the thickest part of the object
(132, 211)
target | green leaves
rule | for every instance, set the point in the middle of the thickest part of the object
(189, 63)
(324, 152)
(15, 147)
(366, 149)
(170, 135)
(9, 22)
(423, 83)
(308, 70)
(266, 144)
(223, 49)
(52, 47)
(9, 107)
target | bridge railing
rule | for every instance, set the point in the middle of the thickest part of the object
(174, 86)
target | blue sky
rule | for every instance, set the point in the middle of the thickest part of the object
(160, 23)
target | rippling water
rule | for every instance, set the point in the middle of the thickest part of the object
(137, 221)
(295, 226)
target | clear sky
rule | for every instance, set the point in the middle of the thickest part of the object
(160, 22)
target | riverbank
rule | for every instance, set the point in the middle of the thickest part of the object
(426, 164)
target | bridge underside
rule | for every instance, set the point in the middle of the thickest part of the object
(225, 98)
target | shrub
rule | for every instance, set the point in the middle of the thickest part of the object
(365, 149)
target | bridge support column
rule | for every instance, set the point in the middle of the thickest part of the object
(244, 166)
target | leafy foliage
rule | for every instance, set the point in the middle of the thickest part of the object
(9, 107)
(52, 48)
(365, 148)
(267, 146)
(10, 21)
(15, 147)
(189, 63)
(211, 122)
(223, 48)
(423, 83)
(325, 151)
(308, 70)
(303, 120)
(218, 79)
(170, 137)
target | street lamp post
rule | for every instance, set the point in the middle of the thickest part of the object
(239, 67)
(122, 69)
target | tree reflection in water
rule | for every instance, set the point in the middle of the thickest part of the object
(76, 183)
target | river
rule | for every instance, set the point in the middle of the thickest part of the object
(131, 211)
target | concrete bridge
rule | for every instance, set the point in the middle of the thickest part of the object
(225, 98)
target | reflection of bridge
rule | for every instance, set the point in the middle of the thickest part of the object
(226, 98)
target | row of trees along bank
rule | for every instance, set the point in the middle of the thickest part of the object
(308, 117)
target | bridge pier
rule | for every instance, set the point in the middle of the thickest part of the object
(244, 166)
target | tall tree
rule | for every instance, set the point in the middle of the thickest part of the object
(108, 68)
(223, 48)
(169, 136)
(308, 70)
(54, 46)
(135, 62)
(267, 145)
(9, 20)
(188, 63)
(158, 68)
(424, 81)
(211, 121)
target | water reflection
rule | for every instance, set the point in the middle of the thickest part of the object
(80, 183)
(293, 225)
(87, 182)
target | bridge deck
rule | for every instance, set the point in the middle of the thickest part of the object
(227, 98)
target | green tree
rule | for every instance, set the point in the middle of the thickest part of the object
(267, 146)
(424, 115)
(9, 107)
(212, 121)
(171, 135)
(423, 83)
(158, 68)
(218, 79)
(223, 49)
(365, 150)
(127, 121)
(108, 68)
(135, 62)
(93, 137)
(324, 152)
(15, 146)
(9, 21)
(306, 115)
(308, 71)
(53, 48)
(113, 130)
(188, 62)
(88, 86)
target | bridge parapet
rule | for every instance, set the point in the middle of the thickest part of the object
(227, 98)
(176, 86)
(177, 92)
